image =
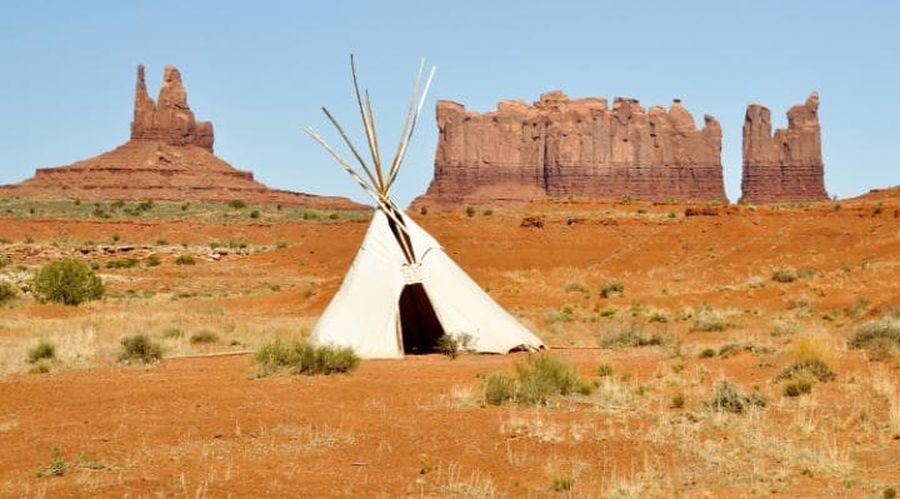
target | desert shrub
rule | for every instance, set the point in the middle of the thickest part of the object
(185, 260)
(452, 345)
(797, 387)
(7, 292)
(566, 314)
(139, 349)
(755, 282)
(470, 211)
(731, 349)
(57, 466)
(807, 272)
(487, 212)
(39, 368)
(782, 327)
(709, 320)
(729, 397)
(302, 358)
(577, 287)
(605, 370)
(173, 333)
(255, 214)
(67, 281)
(612, 289)
(237, 204)
(537, 379)
(44, 350)
(542, 376)
(423, 210)
(784, 274)
(678, 401)
(657, 315)
(858, 307)
(707, 353)
(807, 369)
(562, 484)
(152, 261)
(204, 337)
(632, 336)
(499, 389)
(881, 336)
(122, 263)
(5, 260)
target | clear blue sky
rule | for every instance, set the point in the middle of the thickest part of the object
(260, 71)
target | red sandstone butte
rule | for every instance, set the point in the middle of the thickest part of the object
(581, 148)
(786, 167)
(168, 158)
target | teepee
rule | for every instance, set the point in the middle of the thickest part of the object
(403, 292)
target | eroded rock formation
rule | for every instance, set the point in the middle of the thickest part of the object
(169, 120)
(169, 157)
(559, 147)
(786, 166)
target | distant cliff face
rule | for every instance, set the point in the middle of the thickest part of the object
(169, 120)
(786, 166)
(169, 157)
(559, 147)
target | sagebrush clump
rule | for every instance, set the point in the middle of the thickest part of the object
(537, 379)
(139, 349)
(729, 397)
(298, 357)
(44, 350)
(67, 281)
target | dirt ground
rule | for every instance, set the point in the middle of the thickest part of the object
(208, 426)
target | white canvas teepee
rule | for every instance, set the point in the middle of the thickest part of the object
(403, 292)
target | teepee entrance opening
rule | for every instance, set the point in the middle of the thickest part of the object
(419, 324)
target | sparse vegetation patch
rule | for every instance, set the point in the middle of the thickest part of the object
(139, 349)
(297, 357)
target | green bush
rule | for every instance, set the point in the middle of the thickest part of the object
(255, 214)
(537, 379)
(7, 292)
(470, 211)
(139, 349)
(499, 389)
(729, 397)
(237, 204)
(152, 261)
(678, 401)
(185, 260)
(302, 358)
(44, 350)
(423, 210)
(612, 289)
(67, 281)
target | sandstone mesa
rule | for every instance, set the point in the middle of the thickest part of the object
(169, 157)
(558, 148)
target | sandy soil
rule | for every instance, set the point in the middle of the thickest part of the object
(208, 426)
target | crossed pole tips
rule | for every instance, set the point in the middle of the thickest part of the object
(376, 184)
